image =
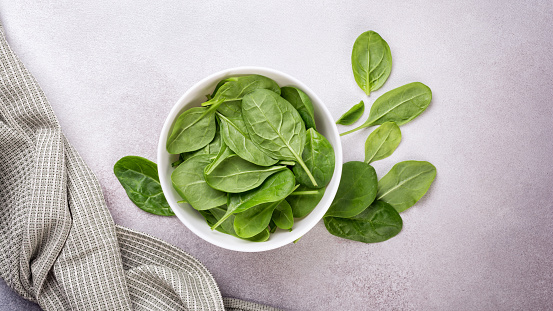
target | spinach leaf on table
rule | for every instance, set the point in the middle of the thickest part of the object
(188, 180)
(236, 136)
(399, 105)
(406, 183)
(318, 156)
(357, 190)
(378, 223)
(234, 174)
(299, 100)
(304, 200)
(275, 188)
(382, 142)
(352, 115)
(275, 126)
(283, 216)
(371, 61)
(139, 178)
(192, 130)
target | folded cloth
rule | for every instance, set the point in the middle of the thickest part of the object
(59, 246)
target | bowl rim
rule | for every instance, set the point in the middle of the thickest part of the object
(321, 107)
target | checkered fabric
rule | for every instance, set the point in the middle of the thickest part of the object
(59, 246)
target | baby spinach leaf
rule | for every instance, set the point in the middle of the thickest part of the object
(235, 174)
(378, 223)
(254, 220)
(399, 105)
(236, 88)
(283, 216)
(212, 148)
(382, 142)
(406, 183)
(304, 200)
(275, 127)
(221, 83)
(139, 178)
(299, 100)
(371, 61)
(275, 188)
(192, 130)
(223, 153)
(351, 116)
(318, 156)
(228, 225)
(357, 190)
(235, 135)
(188, 180)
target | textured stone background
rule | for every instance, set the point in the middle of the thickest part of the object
(481, 239)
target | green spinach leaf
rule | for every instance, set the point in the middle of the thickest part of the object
(351, 116)
(283, 216)
(235, 174)
(357, 190)
(406, 183)
(235, 88)
(378, 223)
(304, 200)
(254, 220)
(192, 130)
(275, 127)
(382, 142)
(188, 180)
(299, 100)
(371, 61)
(227, 226)
(139, 178)
(275, 188)
(235, 135)
(399, 105)
(318, 156)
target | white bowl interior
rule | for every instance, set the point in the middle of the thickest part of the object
(191, 218)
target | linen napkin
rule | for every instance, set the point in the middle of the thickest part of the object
(59, 246)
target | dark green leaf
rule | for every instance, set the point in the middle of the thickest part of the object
(192, 130)
(357, 190)
(254, 220)
(235, 174)
(318, 156)
(188, 180)
(302, 103)
(303, 203)
(235, 135)
(379, 222)
(371, 61)
(275, 126)
(351, 116)
(139, 178)
(275, 188)
(406, 183)
(283, 216)
(227, 226)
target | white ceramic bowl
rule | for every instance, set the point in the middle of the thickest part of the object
(191, 218)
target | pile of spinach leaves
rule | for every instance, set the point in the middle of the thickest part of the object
(250, 159)
(366, 209)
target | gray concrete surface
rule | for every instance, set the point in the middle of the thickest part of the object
(481, 239)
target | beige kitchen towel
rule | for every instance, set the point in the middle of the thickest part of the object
(59, 246)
